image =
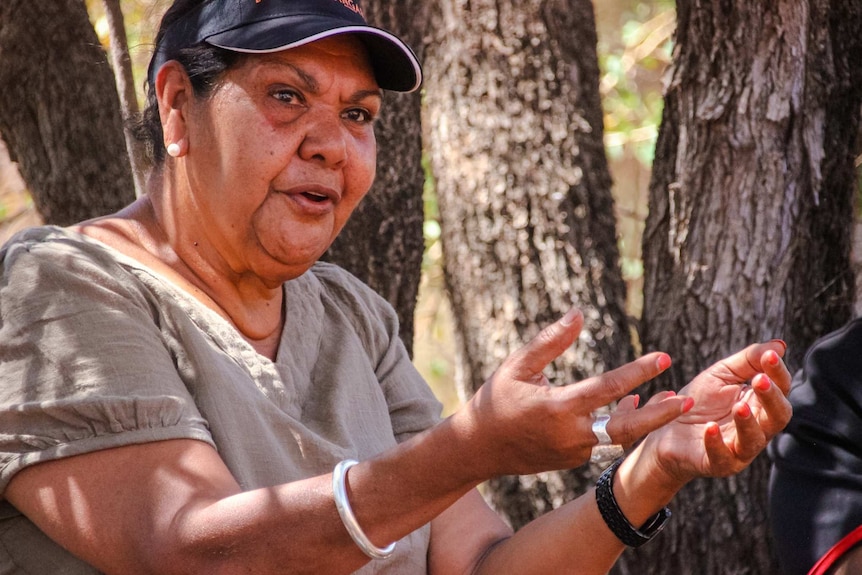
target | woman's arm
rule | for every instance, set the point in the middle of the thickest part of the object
(728, 426)
(173, 507)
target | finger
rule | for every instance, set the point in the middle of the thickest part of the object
(776, 370)
(628, 427)
(750, 438)
(661, 396)
(598, 391)
(627, 404)
(776, 410)
(531, 359)
(745, 364)
(721, 458)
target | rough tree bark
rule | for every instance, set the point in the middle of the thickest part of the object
(513, 129)
(59, 112)
(383, 243)
(748, 236)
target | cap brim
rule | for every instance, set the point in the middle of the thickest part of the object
(395, 65)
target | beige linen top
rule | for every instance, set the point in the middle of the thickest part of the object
(98, 351)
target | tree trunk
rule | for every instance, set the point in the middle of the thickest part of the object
(59, 112)
(748, 235)
(122, 65)
(513, 127)
(383, 243)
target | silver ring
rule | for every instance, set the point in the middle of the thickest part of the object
(605, 450)
(600, 424)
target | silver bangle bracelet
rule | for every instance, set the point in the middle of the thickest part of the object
(339, 492)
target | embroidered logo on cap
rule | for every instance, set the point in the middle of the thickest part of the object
(351, 5)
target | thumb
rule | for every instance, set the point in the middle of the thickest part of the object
(745, 364)
(531, 359)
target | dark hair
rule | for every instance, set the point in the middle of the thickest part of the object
(204, 65)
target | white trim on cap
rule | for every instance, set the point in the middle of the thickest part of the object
(417, 69)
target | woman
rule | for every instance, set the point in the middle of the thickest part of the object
(187, 388)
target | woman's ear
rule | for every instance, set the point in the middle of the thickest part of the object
(173, 93)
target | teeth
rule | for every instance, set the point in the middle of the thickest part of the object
(315, 197)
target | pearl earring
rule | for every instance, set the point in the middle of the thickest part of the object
(174, 150)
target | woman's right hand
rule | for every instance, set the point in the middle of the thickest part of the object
(521, 424)
(740, 405)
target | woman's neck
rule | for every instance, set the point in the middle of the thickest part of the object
(253, 307)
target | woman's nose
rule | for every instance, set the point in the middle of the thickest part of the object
(326, 140)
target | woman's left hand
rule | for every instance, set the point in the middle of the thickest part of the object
(740, 403)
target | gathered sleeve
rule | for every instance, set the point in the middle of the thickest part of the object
(83, 361)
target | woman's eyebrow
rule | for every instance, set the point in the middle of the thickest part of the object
(313, 86)
(363, 94)
(311, 83)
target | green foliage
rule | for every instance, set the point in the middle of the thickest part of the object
(431, 228)
(634, 50)
(633, 56)
(141, 19)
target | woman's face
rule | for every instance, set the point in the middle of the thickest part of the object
(280, 155)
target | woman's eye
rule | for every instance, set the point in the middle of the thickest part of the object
(359, 115)
(287, 96)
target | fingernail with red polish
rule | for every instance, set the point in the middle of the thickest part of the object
(744, 410)
(637, 401)
(712, 429)
(762, 383)
(663, 361)
(687, 404)
(772, 358)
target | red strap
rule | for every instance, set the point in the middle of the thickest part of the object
(830, 557)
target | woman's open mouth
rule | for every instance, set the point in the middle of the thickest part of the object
(315, 197)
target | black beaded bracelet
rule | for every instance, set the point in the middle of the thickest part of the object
(613, 515)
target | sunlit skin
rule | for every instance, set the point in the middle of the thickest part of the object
(278, 158)
(270, 167)
(272, 164)
(851, 563)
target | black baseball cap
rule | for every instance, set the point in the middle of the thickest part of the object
(263, 26)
